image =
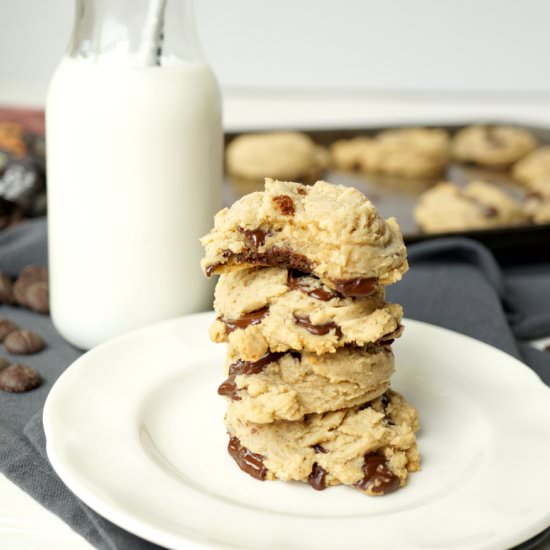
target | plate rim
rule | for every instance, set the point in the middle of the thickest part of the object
(136, 526)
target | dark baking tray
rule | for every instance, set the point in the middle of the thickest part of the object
(397, 197)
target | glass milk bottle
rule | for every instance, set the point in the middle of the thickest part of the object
(134, 152)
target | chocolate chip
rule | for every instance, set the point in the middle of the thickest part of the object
(256, 237)
(490, 212)
(6, 290)
(249, 462)
(317, 477)
(6, 326)
(3, 363)
(322, 294)
(247, 319)
(20, 293)
(275, 257)
(301, 191)
(285, 204)
(378, 478)
(534, 195)
(494, 138)
(487, 210)
(23, 342)
(385, 401)
(37, 297)
(255, 367)
(228, 388)
(29, 277)
(299, 281)
(319, 330)
(359, 287)
(319, 449)
(33, 274)
(18, 378)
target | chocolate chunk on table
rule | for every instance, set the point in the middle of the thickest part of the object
(33, 274)
(23, 342)
(6, 290)
(31, 289)
(18, 378)
(38, 297)
(6, 327)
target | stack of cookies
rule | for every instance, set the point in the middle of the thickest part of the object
(301, 304)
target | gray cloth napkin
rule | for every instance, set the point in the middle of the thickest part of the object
(454, 283)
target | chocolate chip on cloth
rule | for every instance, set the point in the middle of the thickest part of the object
(19, 378)
(6, 290)
(6, 327)
(38, 297)
(23, 342)
(33, 274)
(32, 289)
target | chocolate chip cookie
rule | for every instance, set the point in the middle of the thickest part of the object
(535, 167)
(290, 385)
(301, 303)
(479, 205)
(346, 153)
(278, 309)
(371, 447)
(331, 231)
(537, 202)
(406, 152)
(279, 155)
(490, 145)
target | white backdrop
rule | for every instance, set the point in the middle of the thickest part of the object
(373, 45)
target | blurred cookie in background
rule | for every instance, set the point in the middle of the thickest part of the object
(278, 155)
(492, 145)
(479, 205)
(537, 202)
(535, 167)
(346, 153)
(402, 152)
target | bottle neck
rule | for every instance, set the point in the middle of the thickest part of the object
(135, 32)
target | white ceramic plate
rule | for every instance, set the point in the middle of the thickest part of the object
(135, 429)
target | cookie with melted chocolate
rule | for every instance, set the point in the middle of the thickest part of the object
(273, 309)
(354, 446)
(331, 231)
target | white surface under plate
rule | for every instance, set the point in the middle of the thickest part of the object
(135, 429)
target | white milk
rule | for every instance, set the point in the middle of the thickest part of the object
(134, 174)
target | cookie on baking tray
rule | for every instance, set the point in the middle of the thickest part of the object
(479, 205)
(492, 145)
(279, 155)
